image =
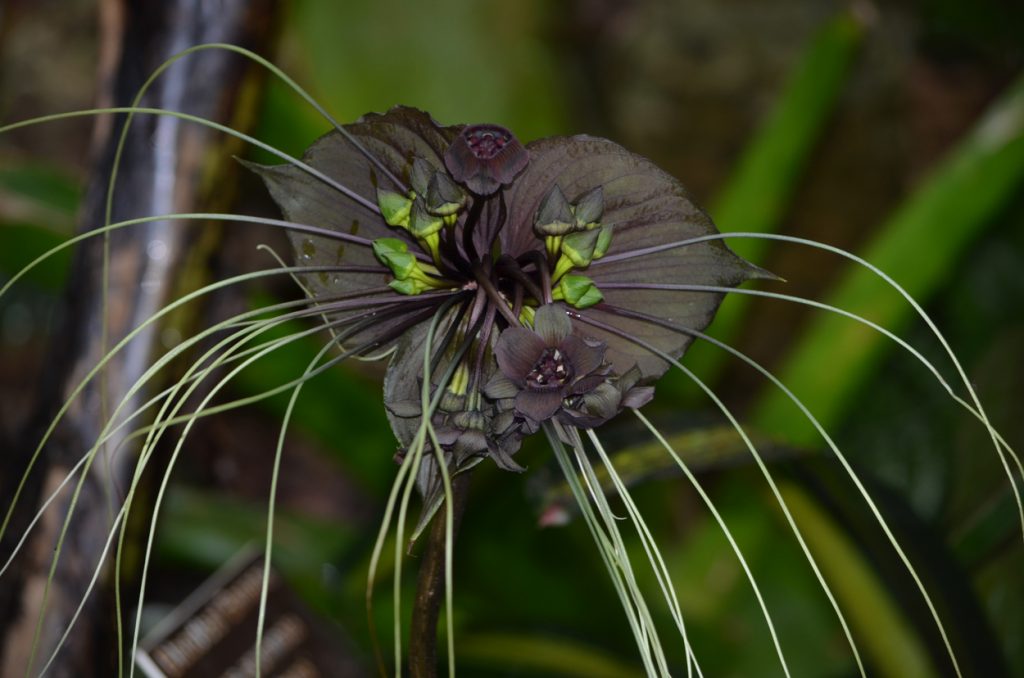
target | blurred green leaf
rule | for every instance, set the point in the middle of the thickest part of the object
(885, 639)
(500, 652)
(772, 165)
(445, 57)
(918, 246)
(301, 544)
(873, 585)
(992, 527)
(43, 192)
(20, 244)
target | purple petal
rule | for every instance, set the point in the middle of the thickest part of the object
(552, 324)
(485, 157)
(588, 383)
(539, 405)
(638, 396)
(517, 351)
(584, 358)
(603, 401)
(405, 408)
(447, 435)
(500, 387)
(469, 443)
(503, 459)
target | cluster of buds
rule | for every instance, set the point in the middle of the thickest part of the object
(434, 201)
(411, 276)
(573, 238)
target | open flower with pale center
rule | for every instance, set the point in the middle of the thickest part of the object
(541, 368)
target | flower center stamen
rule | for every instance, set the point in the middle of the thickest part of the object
(486, 142)
(550, 371)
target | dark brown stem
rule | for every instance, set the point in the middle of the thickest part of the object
(509, 265)
(430, 586)
(495, 296)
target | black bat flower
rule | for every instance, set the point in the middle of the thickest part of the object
(547, 266)
(542, 368)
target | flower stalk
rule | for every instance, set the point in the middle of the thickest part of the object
(430, 584)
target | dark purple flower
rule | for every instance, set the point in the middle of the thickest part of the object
(543, 367)
(485, 158)
(595, 247)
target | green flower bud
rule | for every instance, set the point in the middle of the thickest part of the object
(604, 241)
(394, 254)
(419, 176)
(422, 223)
(578, 291)
(444, 197)
(589, 209)
(409, 286)
(394, 207)
(554, 216)
(579, 247)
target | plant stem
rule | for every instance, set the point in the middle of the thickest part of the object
(430, 586)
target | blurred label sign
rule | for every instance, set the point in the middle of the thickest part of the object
(212, 634)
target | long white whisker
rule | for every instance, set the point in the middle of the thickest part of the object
(847, 468)
(610, 520)
(312, 171)
(654, 556)
(605, 549)
(997, 440)
(174, 455)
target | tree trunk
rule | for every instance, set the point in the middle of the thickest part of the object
(166, 168)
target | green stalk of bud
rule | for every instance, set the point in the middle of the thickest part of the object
(418, 282)
(432, 244)
(553, 243)
(577, 252)
(411, 277)
(526, 314)
(460, 379)
(426, 227)
(579, 247)
(409, 286)
(578, 291)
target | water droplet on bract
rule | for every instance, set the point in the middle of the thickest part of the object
(335, 280)
(308, 249)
